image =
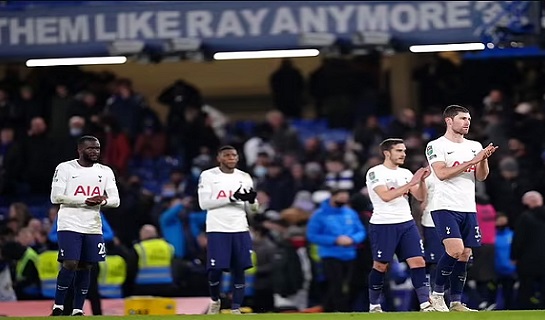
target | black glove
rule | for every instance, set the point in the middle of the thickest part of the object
(249, 195)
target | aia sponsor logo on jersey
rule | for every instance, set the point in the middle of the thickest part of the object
(224, 194)
(470, 169)
(87, 191)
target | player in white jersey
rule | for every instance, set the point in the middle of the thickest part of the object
(456, 162)
(433, 248)
(392, 229)
(227, 194)
(81, 187)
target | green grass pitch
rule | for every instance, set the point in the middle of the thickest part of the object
(490, 315)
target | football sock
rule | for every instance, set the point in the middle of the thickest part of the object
(214, 278)
(81, 285)
(376, 282)
(443, 272)
(420, 283)
(239, 285)
(64, 280)
(457, 281)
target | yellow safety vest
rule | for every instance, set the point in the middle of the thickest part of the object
(48, 269)
(30, 255)
(112, 275)
(154, 260)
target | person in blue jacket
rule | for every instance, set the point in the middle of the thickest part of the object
(336, 229)
(172, 226)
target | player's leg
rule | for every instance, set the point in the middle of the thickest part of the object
(384, 240)
(241, 259)
(70, 245)
(447, 225)
(433, 250)
(471, 236)
(219, 259)
(411, 249)
(81, 286)
(94, 250)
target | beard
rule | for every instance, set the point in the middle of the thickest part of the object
(89, 159)
(460, 131)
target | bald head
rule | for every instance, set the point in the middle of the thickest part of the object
(148, 232)
(532, 199)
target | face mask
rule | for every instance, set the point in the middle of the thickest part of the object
(168, 193)
(339, 204)
(260, 171)
(195, 172)
(501, 228)
(75, 131)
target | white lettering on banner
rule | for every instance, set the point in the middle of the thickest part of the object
(404, 18)
(199, 24)
(313, 19)
(431, 16)
(47, 30)
(3, 23)
(100, 29)
(168, 24)
(372, 18)
(26, 31)
(229, 24)
(341, 17)
(122, 26)
(255, 20)
(284, 21)
(74, 32)
(139, 25)
(458, 14)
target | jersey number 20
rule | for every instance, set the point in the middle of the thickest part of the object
(101, 248)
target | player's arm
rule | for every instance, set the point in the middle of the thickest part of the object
(377, 182)
(482, 169)
(204, 194)
(437, 160)
(112, 200)
(419, 191)
(58, 188)
(251, 208)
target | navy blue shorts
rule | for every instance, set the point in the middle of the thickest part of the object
(402, 239)
(81, 247)
(229, 250)
(433, 247)
(460, 225)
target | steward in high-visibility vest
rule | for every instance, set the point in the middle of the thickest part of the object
(154, 262)
(48, 269)
(30, 289)
(112, 275)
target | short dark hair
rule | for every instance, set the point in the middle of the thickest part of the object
(84, 139)
(387, 144)
(453, 110)
(336, 190)
(227, 147)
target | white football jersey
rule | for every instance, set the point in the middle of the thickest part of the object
(397, 210)
(215, 190)
(427, 220)
(458, 193)
(81, 183)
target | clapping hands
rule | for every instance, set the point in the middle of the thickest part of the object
(245, 195)
(420, 175)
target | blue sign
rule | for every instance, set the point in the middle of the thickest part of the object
(87, 30)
